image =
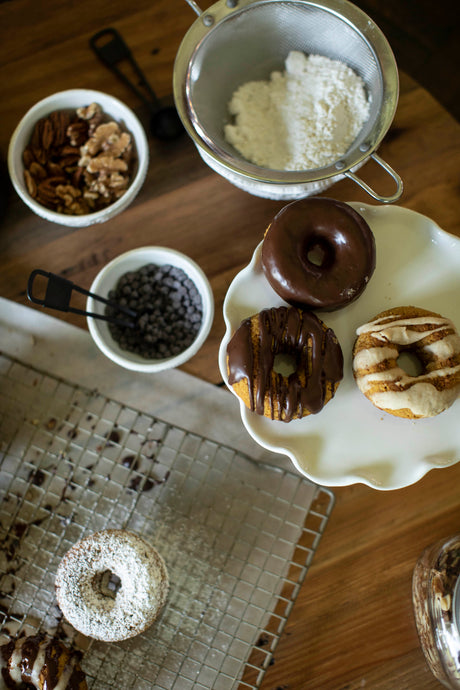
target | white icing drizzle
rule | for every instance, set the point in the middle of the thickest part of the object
(14, 665)
(444, 348)
(422, 399)
(373, 356)
(382, 325)
(39, 663)
(403, 379)
(416, 393)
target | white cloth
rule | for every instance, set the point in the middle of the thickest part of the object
(63, 350)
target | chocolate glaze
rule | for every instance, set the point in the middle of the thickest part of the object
(37, 477)
(334, 229)
(131, 462)
(29, 652)
(57, 660)
(289, 331)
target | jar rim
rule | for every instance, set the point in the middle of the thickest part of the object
(456, 605)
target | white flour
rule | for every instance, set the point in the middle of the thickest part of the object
(303, 118)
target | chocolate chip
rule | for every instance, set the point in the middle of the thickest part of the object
(169, 309)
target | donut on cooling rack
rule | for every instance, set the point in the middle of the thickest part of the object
(84, 588)
(41, 662)
(435, 343)
(318, 253)
(314, 358)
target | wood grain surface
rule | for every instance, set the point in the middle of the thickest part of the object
(352, 625)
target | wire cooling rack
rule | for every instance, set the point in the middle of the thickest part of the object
(237, 535)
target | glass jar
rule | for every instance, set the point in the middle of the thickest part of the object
(436, 599)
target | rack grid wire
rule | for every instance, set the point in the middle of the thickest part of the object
(238, 536)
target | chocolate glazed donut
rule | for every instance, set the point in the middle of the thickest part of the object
(314, 349)
(318, 254)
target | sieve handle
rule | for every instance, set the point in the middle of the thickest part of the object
(207, 18)
(194, 7)
(370, 191)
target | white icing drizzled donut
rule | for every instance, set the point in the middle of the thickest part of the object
(432, 339)
(83, 590)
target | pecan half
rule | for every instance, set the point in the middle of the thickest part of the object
(47, 192)
(40, 155)
(36, 144)
(55, 170)
(30, 184)
(61, 120)
(76, 176)
(69, 156)
(47, 134)
(37, 170)
(77, 132)
(28, 157)
(36, 138)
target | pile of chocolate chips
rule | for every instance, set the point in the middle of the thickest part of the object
(169, 311)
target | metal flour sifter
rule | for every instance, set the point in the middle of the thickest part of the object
(237, 41)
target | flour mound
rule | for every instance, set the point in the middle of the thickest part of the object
(306, 117)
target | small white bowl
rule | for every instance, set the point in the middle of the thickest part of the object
(72, 99)
(107, 279)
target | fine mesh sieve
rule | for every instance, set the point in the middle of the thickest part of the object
(236, 42)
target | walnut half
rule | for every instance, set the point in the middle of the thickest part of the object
(106, 158)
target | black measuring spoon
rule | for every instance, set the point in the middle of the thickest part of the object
(58, 293)
(110, 47)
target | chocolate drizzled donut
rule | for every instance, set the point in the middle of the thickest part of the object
(42, 662)
(315, 355)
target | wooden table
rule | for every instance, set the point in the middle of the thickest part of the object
(352, 625)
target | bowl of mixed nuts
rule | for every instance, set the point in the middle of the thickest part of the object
(78, 157)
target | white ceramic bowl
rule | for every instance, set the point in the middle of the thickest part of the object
(106, 280)
(72, 99)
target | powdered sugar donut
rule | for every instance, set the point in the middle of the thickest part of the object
(86, 598)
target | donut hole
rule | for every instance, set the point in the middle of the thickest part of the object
(319, 253)
(107, 583)
(410, 363)
(285, 364)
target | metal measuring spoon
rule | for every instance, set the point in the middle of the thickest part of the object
(110, 47)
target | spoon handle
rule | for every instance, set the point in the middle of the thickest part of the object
(111, 49)
(58, 294)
